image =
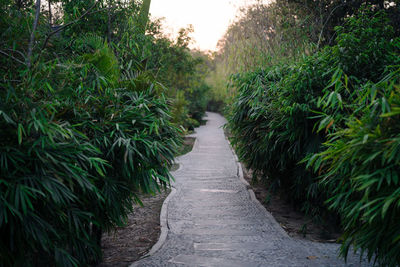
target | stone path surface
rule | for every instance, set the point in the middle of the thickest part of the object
(213, 220)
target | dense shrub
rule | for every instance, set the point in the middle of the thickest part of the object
(45, 187)
(271, 127)
(71, 166)
(84, 128)
(283, 114)
(360, 171)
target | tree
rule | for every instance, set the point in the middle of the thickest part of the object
(143, 17)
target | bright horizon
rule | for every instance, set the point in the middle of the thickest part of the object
(210, 18)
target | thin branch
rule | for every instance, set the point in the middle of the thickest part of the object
(13, 81)
(326, 22)
(109, 23)
(32, 39)
(16, 51)
(87, 12)
(12, 57)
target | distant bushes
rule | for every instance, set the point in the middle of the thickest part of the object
(324, 129)
(263, 34)
(183, 72)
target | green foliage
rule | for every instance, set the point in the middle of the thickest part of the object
(270, 117)
(366, 42)
(198, 100)
(180, 112)
(101, 57)
(262, 35)
(45, 170)
(360, 165)
(336, 111)
(328, 14)
(183, 72)
(83, 131)
(143, 16)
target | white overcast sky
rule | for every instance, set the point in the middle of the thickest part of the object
(210, 18)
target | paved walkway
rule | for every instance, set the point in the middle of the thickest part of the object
(213, 220)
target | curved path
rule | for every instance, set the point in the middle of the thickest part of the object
(214, 220)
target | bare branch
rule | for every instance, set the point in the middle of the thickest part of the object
(18, 52)
(12, 57)
(326, 22)
(68, 24)
(32, 39)
(109, 22)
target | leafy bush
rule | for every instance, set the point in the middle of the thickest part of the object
(282, 115)
(72, 169)
(271, 128)
(45, 184)
(182, 71)
(262, 35)
(360, 171)
(81, 135)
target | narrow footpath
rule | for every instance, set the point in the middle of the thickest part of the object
(212, 218)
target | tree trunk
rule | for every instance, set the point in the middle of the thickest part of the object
(50, 15)
(109, 30)
(143, 16)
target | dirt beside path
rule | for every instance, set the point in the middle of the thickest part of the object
(294, 222)
(213, 221)
(127, 244)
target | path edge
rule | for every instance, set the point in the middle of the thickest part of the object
(164, 229)
(163, 217)
(253, 197)
(163, 224)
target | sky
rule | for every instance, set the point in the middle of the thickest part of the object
(210, 18)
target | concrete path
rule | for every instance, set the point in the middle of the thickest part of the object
(212, 219)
